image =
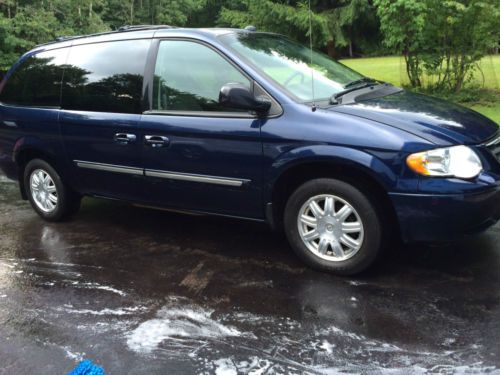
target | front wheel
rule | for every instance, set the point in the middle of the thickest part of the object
(333, 226)
(47, 193)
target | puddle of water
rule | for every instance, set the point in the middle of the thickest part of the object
(267, 345)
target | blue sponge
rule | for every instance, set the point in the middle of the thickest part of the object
(87, 368)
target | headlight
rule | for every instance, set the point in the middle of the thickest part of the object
(457, 161)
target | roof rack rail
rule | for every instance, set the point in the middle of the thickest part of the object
(144, 27)
(68, 37)
(120, 29)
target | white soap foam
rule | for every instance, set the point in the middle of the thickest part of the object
(225, 366)
(99, 287)
(172, 323)
(106, 311)
(73, 355)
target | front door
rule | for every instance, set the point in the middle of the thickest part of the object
(197, 154)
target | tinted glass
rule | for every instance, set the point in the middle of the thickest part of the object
(105, 77)
(289, 64)
(189, 76)
(37, 81)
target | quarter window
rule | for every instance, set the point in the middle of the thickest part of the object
(37, 81)
(105, 77)
(189, 76)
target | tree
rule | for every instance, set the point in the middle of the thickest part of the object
(25, 28)
(443, 40)
(277, 17)
(464, 32)
(334, 22)
(402, 23)
(344, 19)
(152, 12)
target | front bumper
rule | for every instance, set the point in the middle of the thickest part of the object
(442, 217)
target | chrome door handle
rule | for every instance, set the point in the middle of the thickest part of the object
(124, 138)
(156, 141)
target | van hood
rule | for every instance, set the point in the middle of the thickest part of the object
(435, 120)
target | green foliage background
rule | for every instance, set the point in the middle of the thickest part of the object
(339, 26)
(441, 41)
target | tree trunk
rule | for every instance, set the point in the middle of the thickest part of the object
(412, 70)
(330, 47)
(460, 74)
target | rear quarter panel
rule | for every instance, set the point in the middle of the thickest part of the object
(25, 128)
(33, 129)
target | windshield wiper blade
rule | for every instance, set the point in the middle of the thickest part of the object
(358, 81)
(334, 97)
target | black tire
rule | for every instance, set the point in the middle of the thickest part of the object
(68, 202)
(366, 210)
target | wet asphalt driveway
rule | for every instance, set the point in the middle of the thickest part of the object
(149, 292)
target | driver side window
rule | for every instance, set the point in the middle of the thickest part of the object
(188, 77)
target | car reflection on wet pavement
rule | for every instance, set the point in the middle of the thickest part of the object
(150, 292)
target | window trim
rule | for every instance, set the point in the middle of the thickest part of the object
(148, 85)
(29, 106)
(201, 113)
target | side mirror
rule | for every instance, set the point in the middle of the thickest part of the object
(238, 96)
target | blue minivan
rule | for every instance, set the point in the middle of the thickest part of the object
(249, 125)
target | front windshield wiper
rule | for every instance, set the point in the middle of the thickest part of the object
(358, 81)
(334, 98)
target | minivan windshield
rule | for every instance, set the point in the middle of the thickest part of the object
(289, 65)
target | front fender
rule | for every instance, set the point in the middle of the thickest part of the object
(360, 160)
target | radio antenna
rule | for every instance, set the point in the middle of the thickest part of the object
(311, 56)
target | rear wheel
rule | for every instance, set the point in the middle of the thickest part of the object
(47, 193)
(333, 226)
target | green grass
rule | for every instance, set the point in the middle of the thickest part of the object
(391, 69)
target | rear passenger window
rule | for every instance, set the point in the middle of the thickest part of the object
(189, 76)
(37, 81)
(105, 77)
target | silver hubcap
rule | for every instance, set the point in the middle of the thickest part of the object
(43, 190)
(330, 227)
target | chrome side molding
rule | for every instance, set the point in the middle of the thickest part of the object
(195, 178)
(109, 167)
(226, 181)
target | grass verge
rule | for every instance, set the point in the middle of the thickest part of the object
(485, 100)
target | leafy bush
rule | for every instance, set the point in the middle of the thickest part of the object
(441, 39)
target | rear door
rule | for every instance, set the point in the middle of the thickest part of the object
(101, 109)
(198, 155)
